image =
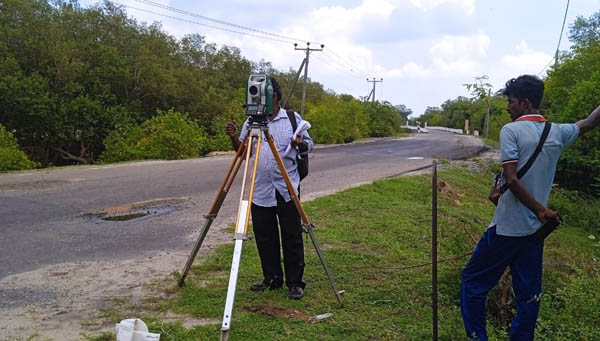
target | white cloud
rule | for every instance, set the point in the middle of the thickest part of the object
(427, 5)
(525, 60)
(439, 68)
(335, 23)
(458, 46)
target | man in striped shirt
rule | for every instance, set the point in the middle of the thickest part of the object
(271, 202)
(521, 211)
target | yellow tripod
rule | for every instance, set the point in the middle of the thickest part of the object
(255, 133)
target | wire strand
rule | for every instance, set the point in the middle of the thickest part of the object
(336, 68)
(559, 40)
(347, 64)
(206, 25)
(222, 22)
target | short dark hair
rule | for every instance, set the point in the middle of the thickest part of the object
(276, 88)
(526, 87)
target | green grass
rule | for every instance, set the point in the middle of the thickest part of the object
(490, 142)
(370, 235)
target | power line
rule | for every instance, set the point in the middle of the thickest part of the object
(337, 68)
(269, 35)
(345, 67)
(206, 25)
(346, 63)
(559, 40)
(222, 22)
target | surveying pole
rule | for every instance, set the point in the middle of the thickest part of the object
(374, 81)
(308, 50)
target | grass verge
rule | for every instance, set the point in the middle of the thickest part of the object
(377, 241)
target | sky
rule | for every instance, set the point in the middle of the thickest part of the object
(424, 50)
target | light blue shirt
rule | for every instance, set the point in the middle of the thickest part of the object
(518, 141)
(268, 175)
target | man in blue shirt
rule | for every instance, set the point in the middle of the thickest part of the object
(520, 212)
(272, 202)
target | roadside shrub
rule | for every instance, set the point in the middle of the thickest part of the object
(218, 139)
(11, 157)
(166, 136)
(578, 210)
(384, 119)
(337, 121)
(571, 312)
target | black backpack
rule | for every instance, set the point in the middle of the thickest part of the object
(301, 160)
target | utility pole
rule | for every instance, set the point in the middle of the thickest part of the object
(374, 81)
(308, 51)
(487, 114)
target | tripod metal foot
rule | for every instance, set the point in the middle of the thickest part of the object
(338, 294)
(188, 264)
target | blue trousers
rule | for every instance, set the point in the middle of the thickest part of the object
(492, 255)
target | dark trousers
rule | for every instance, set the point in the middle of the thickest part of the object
(266, 232)
(492, 255)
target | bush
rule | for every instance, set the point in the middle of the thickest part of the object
(336, 120)
(576, 209)
(11, 157)
(233, 111)
(384, 119)
(166, 136)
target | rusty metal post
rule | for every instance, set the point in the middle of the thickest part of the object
(434, 283)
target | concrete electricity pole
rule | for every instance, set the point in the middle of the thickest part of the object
(374, 81)
(308, 50)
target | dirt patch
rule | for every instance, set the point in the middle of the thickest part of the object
(278, 312)
(447, 190)
(64, 301)
(33, 185)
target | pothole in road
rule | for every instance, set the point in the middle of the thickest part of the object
(138, 215)
(137, 211)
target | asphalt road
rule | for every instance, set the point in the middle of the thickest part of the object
(45, 215)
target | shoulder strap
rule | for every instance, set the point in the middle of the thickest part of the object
(531, 160)
(292, 117)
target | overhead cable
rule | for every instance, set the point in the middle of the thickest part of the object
(348, 64)
(222, 22)
(335, 67)
(206, 25)
(559, 39)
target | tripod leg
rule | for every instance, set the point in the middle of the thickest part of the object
(235, 267)
(240, 236)
(305, 221)
(338, 294)
(214, 210)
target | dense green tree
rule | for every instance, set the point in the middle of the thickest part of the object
(11, 157)
(572, 92)
(166, 136)
(384, 119)
(403, 111)
(78, 82)
(70, 75)
(337, 120)
(585, 31)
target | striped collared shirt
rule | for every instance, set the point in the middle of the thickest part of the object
(268, 175)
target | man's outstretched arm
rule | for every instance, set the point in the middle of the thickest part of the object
(590, 122)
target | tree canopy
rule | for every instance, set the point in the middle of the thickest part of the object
(74, 79)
